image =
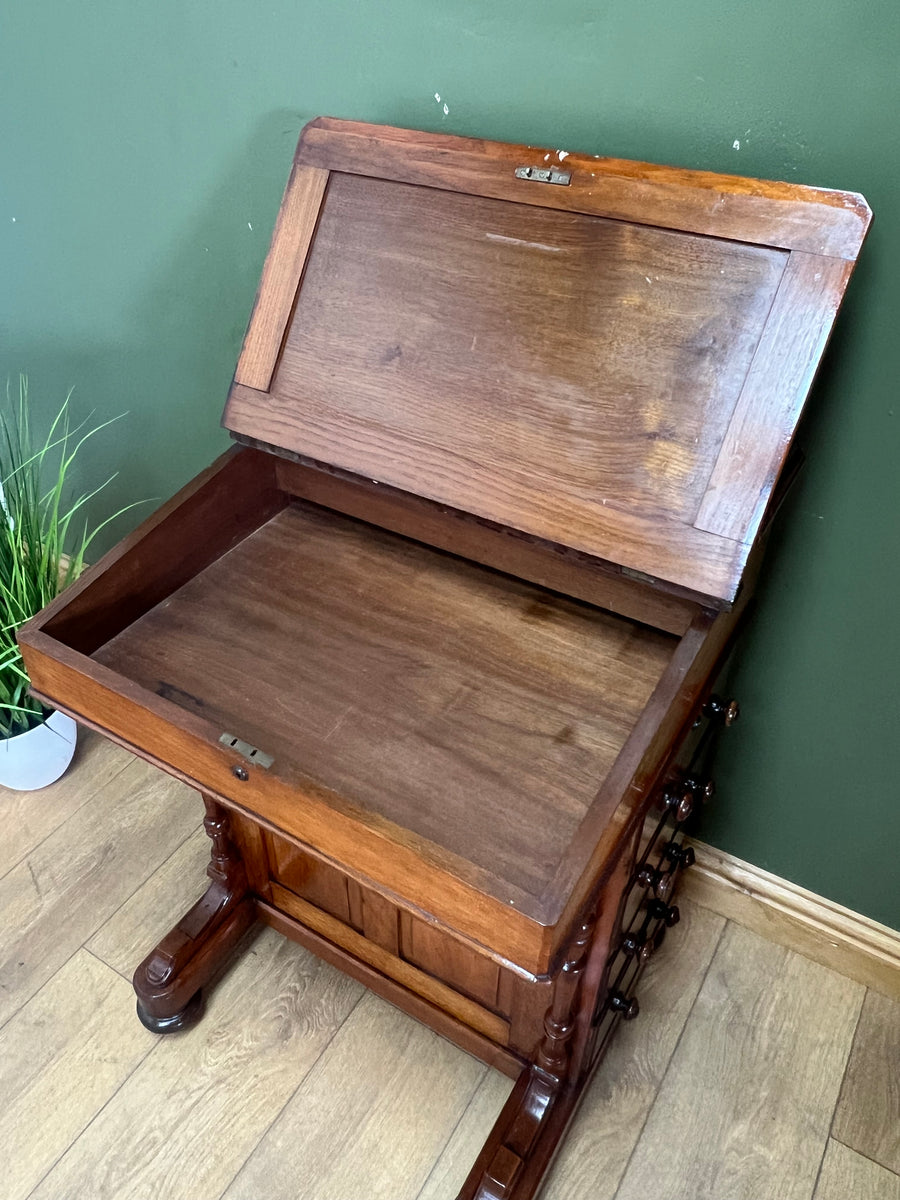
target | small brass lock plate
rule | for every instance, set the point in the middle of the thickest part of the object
(251, 753)
(545, 175)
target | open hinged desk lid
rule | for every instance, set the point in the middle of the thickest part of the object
(609, 356)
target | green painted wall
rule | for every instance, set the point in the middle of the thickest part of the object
(144, 148)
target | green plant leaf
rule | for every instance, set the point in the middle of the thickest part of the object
(41, 548)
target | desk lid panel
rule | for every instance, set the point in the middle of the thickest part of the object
(614, 364)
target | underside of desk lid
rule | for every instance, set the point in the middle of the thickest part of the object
(609, 356)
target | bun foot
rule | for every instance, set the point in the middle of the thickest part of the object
(187, 1017)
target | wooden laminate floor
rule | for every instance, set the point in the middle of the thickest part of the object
(752, 1073)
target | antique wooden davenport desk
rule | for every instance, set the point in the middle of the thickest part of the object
(435, 641)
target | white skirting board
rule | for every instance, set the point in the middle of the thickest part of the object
(789, 915)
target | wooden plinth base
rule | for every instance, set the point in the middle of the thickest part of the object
(532, 1123)
(169, 980)
(523, 1141)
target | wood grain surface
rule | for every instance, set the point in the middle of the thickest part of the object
(212, 513)
(123, 940)
(549, 565)
(576, 359)
(771, 401)
(62, 1056)
(79, 875)
(868, 1114)
(64, 1053)
(564, 375)
(846, 1175)
(188, 1117)
(783, 1026)
(291, 239)
(730, 206)
(470, 708)
(390, 1127)
(26, 824)
(462, 1147)
(606, 1130)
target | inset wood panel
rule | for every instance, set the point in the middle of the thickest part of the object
(587, 360)
(310, 878)
(745, 1107)
(431, 949)
(374, 916)
(868, 1113)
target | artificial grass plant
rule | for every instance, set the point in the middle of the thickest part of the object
(44, 536)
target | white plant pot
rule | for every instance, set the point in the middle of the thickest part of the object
(38, 757)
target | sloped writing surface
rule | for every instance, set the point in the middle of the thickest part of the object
(465, 348)
(591, 358)
(616, 365)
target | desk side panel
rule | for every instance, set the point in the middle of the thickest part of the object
(207, 518)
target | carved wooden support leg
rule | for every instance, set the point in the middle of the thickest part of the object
(524, 1139)
(169, 980)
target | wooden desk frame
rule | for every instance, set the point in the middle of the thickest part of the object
(526, 959)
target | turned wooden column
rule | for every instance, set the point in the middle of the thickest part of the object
(534, 1117)
(559, 1022)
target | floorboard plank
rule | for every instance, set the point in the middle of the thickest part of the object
(29, 817)
(185, 1121)
(846, 1175)
(868, 1113)
(294, 1088)
(745, 1108)
(55, 899)
(146, 916)
(609, 1122)
(370, 1119)
(455, 1162)
(61, 1058)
